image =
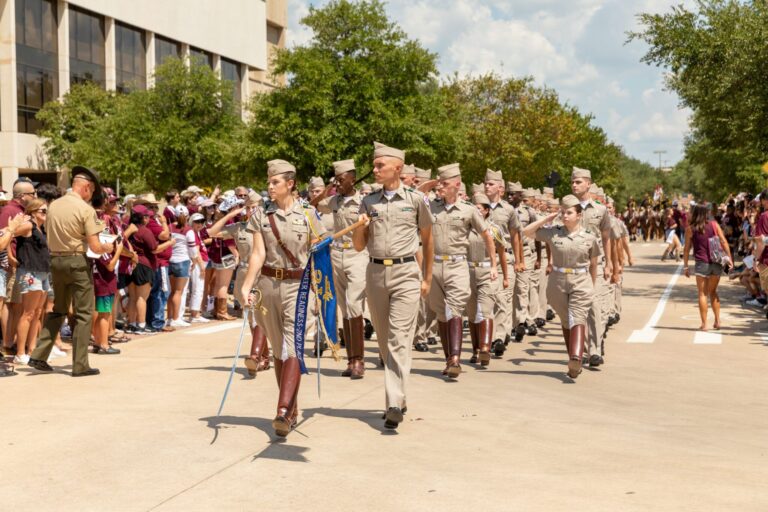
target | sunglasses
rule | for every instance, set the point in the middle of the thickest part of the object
(242, 195)
(42, 210)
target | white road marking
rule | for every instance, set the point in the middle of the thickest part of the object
(708, 338)
(763, 337)
(648, 334)
(216, 328)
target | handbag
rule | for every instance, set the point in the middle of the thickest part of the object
(717, 254)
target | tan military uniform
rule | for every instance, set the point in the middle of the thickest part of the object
(483, 291)
(595, 219)
(570, 284)
(526, 280)
(244, 243)
(426, 322)
(450, 275)
(297, 227)
(393, 289)
(505, 217)
(69, 223)
(618, 232)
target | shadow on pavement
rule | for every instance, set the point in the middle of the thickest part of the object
(372, 418)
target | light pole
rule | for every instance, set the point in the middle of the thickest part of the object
(660, 152)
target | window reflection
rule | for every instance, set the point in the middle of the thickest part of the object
(230, 70)
(201, 57)
(165, 48)
(86, 47)
(130, 58)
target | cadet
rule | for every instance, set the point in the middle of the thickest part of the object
(453, 220)
(525, 280)
(595, 220)
(483, 290)
(349, 265)
(575, 252)
(426, 323)
(505, 217)
(395, 219)
(258, 359)
(282, 236)
(72, 227)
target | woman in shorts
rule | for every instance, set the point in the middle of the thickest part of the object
(32, 276)
(184, 250)
(673, 242)
(224, 258)
(197, 273)
(707, 272)
(105, 287)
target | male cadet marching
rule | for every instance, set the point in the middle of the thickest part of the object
(595, 220)
(348, 265)
(395, 220)
(504, 216)
(525, 279)
(426, 323)
(452, 221)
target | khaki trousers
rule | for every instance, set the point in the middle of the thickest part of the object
(483, 292)
(543, 280)
(393, 296)
(449, 292)
(523, 283)
(596, 319)
(278, 312)
(72, 278)
(504, 312)
(571, 297)
(426, 323)
(349, 279)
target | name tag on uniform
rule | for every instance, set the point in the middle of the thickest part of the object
(373, 214)
(298, 221)
(406, 209)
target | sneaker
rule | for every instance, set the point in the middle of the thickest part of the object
(22, 359)
(179, 323)
(754, 303)
(199, 320)
(66, 332)
(56, 352)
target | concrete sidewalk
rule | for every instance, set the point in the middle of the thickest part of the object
(668, 425)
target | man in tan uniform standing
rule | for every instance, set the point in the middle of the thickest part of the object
(395, 219)
(349, 265)
(453, 220)
(526, 279)
(426, 322)
(72, 227)
(504, 216)
(596, 221)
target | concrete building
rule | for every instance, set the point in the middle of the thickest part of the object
(48, 45)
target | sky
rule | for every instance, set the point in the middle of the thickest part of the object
(577, 47)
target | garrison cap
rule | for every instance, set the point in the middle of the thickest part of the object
(478, 188)
(569, 201)
(480, 199)
(316, 181)
(275, 167)
(581, 173)
(528, 192)
(380, 150)
(494, 176)
(408, 170)
(343, 166)
(449, 171)
(424, 174)
(547, 190)
(514, 186)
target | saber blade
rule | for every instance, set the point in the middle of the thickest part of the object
(234, 363)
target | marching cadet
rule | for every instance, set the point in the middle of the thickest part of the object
(282, 237)
(575, 252)
(453, 221)
(316, 192)
(525, 280)
(622, 255)
(423, 175)
(348, 264)
(408, 176)
(483, 289)
(395, 219)
(426, 323)
(595, 220)
(258, 360)
(505, 217)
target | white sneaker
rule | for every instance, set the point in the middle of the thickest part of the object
(56, 352)
(755, 303)
(179, 323)
(22, 359)
(199, 320)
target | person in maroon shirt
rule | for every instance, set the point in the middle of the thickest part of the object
(105, 288)
(224, 259)
(161, 285)
(173, 198)
(761, 249)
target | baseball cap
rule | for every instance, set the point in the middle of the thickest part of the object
(142, 210)
(197, 217)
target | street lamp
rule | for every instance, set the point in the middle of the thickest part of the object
(660, 152)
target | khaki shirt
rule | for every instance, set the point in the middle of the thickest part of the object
(617, 228)
(527, 215)
(574, 250)
(69, 222)
(451, 225)
(297, 227)
(242, 237)
(476, 252)
(395, 223)
(596, 219)
(504, 215)
(345, 211)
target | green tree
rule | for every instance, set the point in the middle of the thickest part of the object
(715, 54)
(181, 131)
(359, 79)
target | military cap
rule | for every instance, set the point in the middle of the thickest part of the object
(408, 170)
(478, 188)
(494, 176)
(593, 189)
(316, 181)
(380, 150)
(343, 166)
(448, 171)
(514, 186)
(547, 190)
(528, 192)
(569, 201)
(581, 173)
(480, 199)
(424, 174)
(275, 167)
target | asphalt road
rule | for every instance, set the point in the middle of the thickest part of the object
(675, 420)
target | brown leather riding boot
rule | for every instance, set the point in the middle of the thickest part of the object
(473, 337)
(566, 338)
(577, 338)
(254, 361)
(348, 348)
(278, 370)
(357, 342)
(442, 331)
(264, 356)
(485, 337)
(455, 335)
(221, 310)
(287, 408)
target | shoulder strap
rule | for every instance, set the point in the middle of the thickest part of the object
(288, 253)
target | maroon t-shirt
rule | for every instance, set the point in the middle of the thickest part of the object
(9, 211)
(761, 229)
(163, 258)
(220, 247)
(144, 242)
(169, 214)
(104, 280)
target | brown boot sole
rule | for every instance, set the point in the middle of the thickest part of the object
(253, 366)
(453, 372)
(356, 376)
(485, 358)
(574, 368)
(282, 426)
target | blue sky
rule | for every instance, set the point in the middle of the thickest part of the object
(576, 47)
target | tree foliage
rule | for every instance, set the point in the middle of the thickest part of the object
(715, 54)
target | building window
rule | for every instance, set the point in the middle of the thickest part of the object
(201, 56)
(274, 33)
(86, 47)
(165, 48)
(230, 70)
(130, 58)
(36, 61)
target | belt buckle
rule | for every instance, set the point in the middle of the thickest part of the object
(445, 258)
(279, 274)
(569, 271)
(387, 263)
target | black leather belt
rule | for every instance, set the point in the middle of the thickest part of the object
(392, 261)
